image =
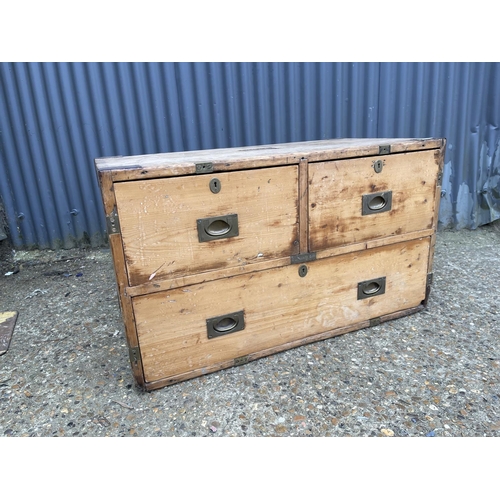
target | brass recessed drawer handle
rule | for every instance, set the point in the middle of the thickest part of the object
(371, 288)
(216, 228)
(376, 203)
(225, 324)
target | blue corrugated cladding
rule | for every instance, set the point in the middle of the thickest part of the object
(55, 118)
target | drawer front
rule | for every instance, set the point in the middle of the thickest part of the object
(352, 201)
(185, 225)
(202, 325)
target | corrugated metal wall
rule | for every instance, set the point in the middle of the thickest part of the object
(55, 118)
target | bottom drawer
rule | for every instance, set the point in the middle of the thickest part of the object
(187, 332)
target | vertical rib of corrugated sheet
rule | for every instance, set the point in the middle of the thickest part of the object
(55, 118)
(459, 101)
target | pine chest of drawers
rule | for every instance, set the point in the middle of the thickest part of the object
(227, 255)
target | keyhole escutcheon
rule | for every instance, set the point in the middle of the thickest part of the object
(215, 185)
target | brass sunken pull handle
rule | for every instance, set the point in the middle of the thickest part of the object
(376, 203)
(225, 324)
(216, 228)
(371, 288)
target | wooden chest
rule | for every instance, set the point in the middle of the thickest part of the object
(224, 256)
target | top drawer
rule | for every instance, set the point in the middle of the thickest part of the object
(185, 225)
(357, 200)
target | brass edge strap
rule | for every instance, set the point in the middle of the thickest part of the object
(204, 168)
(113, 222)
(241, 360)
(135, 355)
(303, 257)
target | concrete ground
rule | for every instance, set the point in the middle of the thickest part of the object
(432, 374)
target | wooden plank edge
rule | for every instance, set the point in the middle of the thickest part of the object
(195, 279)
(265, 151)
(390, 240)
(126, 307)
(440, 154)
(118, 257)
(303, 205)
(437, 201)
(105, 182)
(401, 314)
(158, 384)
(165, 169)
(380, 242)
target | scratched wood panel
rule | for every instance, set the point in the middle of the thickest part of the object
(279, 307)
(183, 163)
(437, 204)
(336, 192)
(158, 220)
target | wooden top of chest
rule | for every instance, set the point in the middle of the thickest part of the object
(124, 168)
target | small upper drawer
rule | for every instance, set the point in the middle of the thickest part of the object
(185, 225)
(357, 200)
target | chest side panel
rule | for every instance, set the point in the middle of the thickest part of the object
(361, 199)
(186, 225)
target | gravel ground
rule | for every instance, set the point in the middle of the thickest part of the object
(435, 373)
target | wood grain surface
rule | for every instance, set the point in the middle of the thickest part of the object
(336, 191)
(158, 220)
(137, 167)
(279, 307)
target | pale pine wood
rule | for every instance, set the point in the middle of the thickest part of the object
(255, 355)
(440, 159)
(336, 190)
(224, 159)
(105, 180)
(268, 289)
(303, 206)
(192, 279)
(125, 303)
(116, 247)
(334, 251)
(280, 307)
(158, 222)
(389, 240)
(149, 386)
(378, 242)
